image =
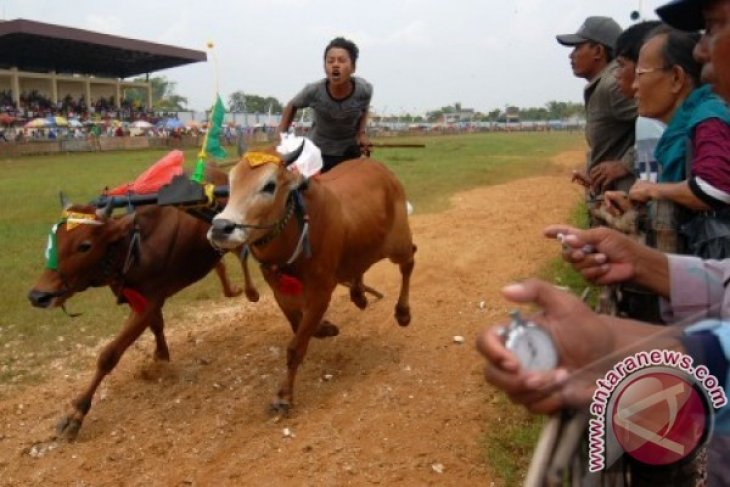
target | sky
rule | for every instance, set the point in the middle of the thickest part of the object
(420, 55)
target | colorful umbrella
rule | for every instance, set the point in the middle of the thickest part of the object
(55, 121)
(74, 123)
(6, 119)
(170, 124)
(141, 124)
(37, 123)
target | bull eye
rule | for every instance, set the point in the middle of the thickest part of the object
(84, 246)
(269, 187)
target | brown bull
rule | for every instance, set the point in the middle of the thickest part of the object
(311, 235)
(171, 252)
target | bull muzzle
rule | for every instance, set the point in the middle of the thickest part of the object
(225, 234)
(41, 299)
(222, 229)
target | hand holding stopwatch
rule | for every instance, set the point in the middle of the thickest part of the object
(532, 345)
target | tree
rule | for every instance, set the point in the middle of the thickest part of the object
(238, 101)
(562, 109)
(164, 96)
(494, 114)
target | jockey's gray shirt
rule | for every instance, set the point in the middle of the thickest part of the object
(335, 125)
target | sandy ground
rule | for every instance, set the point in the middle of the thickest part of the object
(378, 404)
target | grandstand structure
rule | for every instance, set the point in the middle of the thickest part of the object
(62, 62)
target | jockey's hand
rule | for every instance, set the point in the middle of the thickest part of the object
(616, 202)
(363, 141)
(605, 256)
(582, 178)
(643, 191)
(580, 336)
(605, 173)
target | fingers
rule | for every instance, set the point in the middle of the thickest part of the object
(552, 231)
(491, 346)
(539, 392)
(545, 295)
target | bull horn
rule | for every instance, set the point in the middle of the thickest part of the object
(293, 156)
(65, 202)
(104, 213)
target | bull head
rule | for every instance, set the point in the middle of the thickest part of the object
(79, 244)
(259, 189)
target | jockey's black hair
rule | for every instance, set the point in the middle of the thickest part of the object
(345, 44)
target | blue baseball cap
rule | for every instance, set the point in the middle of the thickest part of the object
(683, 14)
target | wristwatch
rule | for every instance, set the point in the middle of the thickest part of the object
(532, 344)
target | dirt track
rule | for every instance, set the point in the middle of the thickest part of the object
(378, 404)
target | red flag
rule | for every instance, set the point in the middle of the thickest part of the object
(159, 174)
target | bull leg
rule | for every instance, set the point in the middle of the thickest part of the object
(292, 306)
(229, 290)
(157, 325)
(402, 307)
(357, 293)
(252, 293)
(297, 348)
(69, 425)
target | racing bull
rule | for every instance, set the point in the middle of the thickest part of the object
(144, 257)
(310, 235)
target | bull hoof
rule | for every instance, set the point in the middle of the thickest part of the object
(280, 406)
(326, 330)
(68, 428)
(252, 295)
(403, 315)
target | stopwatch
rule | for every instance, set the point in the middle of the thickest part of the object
(532, 345)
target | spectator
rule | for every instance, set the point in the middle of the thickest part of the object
(698, 132)
(688, 284)
(633, 301)
(610, 115)
(340, 104)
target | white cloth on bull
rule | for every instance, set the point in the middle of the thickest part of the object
(309, 161)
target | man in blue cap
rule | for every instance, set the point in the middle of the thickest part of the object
(610, 116)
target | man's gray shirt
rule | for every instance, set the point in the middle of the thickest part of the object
(610, 124)
(335, 121)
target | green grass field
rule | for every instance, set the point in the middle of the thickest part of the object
(29, 188)
(30, 205)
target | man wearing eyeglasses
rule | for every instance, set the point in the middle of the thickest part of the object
(610, 116)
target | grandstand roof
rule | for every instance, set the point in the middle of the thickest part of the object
(39, 47)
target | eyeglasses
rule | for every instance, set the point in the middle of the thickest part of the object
(640, 71)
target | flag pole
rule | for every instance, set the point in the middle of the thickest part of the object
(199, 172)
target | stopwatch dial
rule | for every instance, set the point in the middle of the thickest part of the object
(534, 349)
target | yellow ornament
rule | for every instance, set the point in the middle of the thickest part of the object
(210, 44)
(255, 159)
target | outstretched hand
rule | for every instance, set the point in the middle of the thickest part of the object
(580, 336)
(603, 256)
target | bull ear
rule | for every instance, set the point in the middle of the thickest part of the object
(103, 214)
(65, 202)
(292, 156)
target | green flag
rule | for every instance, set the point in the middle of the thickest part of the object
(215, 128)
(211, 143)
